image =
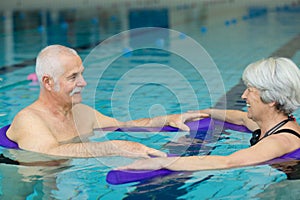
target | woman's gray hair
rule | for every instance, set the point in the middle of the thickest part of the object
(48, 62)
(278, 80)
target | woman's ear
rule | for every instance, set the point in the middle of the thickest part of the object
(47, 82)
(272, 104)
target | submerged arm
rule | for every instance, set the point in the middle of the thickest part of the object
(108, 148)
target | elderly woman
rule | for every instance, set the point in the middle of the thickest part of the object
(272, 94)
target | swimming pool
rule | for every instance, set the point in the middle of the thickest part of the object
(232, 46)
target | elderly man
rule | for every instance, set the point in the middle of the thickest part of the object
(51, 124)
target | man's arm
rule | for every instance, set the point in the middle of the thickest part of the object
(108, 148)
(175, 120)
(31, 134)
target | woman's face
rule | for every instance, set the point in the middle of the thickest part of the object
(255, 105)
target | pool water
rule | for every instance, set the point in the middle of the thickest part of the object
(145, 82)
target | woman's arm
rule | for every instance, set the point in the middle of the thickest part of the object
(272, 147)
(233, 116)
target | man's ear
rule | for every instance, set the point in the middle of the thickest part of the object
(47, 82)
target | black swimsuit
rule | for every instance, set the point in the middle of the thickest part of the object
(256, 134)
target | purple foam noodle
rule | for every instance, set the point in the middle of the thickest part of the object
(116, 177)
(198, 125)
(5, 141)
(194, 126)
(294, 155)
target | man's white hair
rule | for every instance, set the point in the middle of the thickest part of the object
(48, 62)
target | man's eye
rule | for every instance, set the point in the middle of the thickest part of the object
(72, 77)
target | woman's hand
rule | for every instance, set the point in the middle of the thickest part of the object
(179, 120)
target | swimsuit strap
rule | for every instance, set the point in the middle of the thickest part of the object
(255, 137)
(256, 134)
(272, 130)
(288, 131)
(277, 126)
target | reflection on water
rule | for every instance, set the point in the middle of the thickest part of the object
(19, 181)
(290, 168)
(62, 179)
(286, 189)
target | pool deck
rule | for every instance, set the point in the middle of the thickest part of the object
(233, 97)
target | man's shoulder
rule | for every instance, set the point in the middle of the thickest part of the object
(22, 123)
(27, 116)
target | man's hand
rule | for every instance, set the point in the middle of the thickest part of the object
(145, 164)
(136, 150)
